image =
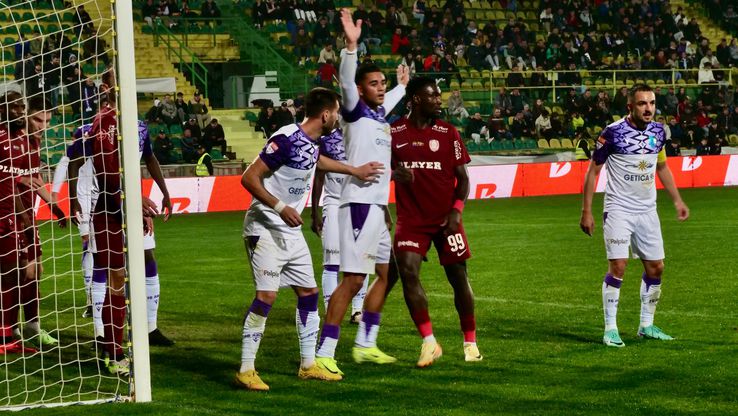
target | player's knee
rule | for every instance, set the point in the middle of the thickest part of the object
(149, 255)
(354, 282)
(655, 269)
(266, 296)
(617, 267)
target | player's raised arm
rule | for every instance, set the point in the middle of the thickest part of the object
(366, 172)
(253, 181)
(349, 61)
(667, 179)
(395, 95)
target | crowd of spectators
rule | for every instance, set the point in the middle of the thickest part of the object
(173, 13)
(191, 128)
(652, 39)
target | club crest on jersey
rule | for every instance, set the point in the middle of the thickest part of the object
(434, 144)
(271, 148)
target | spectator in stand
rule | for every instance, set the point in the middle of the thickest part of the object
(419, 11)
(268, 121)
(498, 127)
(183, 110)
(198, 109)
(431, 63)
(477, 128)
(209, 12)
(673, 148)
(214, 135)
(450, 70)
(53, 78)
(517, 101)
(543, 126)
(84, 21)
(705, 74)
(456, 105)
(34, 84)
(503, 103)
(259, 13)
(153, 116)
(400, 42)
(164, 148)
(675, 130)
(303, 44)
(515, 78)
(520, 127)
(203, 159)
(620, 102)
(327, 53)
(322, 34)
(194, 128)
(671, 102)
(577, 122)
(149, 12)
(327, 74)
(703, 148)
(190, 144)
(168, 111)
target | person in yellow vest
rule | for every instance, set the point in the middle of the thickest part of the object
(582, 152)
(204, 163)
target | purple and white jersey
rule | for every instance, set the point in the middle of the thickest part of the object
(291, 156)
(366, 136)
(331, 146)
(630, 156)
(144, 142)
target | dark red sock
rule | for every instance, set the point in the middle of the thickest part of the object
(114, 316)
(29, 296)
(9, 298)
(423, 322)
(469, 328)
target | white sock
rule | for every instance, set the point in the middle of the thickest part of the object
(307, 322)
(98, 299)
(430, 339)
(87, 263)
(329, 284)
(328, 341)
(610, 299)
(152, 300)
(253, 330)
(357, 303)
(32, 328)
(650, 295)
(366, 335)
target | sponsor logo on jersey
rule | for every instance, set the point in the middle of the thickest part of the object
(399, 128)
(408, 243)
(457, 150)
(418, 144)
(644, 165)
(422, 165)
(639, 178)
(271, 148)
(296, 191)
(18, 171)
(434, 145)
(439, 129)
(382, 142)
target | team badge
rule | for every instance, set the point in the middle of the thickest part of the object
(434, 145)
(271, 148)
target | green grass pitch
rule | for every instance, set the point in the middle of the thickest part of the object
(537, 281)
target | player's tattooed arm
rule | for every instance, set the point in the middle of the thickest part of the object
(317, 220)
(253, 181)
(366, 172)
(667, 179)
(586, 222)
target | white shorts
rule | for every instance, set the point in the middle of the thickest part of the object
(278, 262)
(330, 236)
(87, 194)
(149, 242)
(639, 232)
(365, 240)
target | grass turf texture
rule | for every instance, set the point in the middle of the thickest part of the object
(537, 281)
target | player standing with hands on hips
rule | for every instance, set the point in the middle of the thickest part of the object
(633, 150)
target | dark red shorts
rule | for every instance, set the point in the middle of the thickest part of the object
(451, 249)
(109, 241)
(13, 246)
(32, 242)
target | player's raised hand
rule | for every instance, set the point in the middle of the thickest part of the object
(290, 216)
(402, 174)
(586, 223)
(351, 29)
(369, 171)
(403, 74)
(149, 207)
(682, 210)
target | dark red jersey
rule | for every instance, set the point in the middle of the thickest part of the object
(31, 164)
(14, 154)
(106, 158)
(432, 154)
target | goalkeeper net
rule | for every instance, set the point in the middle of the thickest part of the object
(53, 55)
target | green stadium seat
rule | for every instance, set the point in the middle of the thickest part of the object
(507, 144)
(215, 154)
(175, 129)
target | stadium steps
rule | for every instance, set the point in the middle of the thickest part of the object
(242, 138)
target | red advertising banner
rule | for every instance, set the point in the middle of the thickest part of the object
(225, 193)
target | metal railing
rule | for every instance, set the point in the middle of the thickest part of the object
(188, 60)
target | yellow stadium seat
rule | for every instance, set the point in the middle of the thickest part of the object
(733, 139)
(555, 144)
(615, 117)
(543, 144)
(567, 144)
